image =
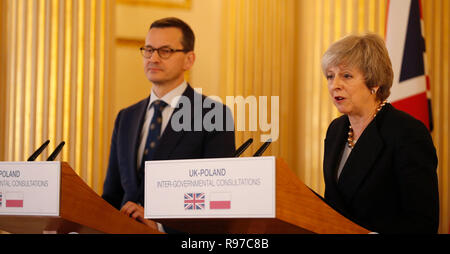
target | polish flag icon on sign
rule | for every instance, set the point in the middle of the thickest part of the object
(220, 200)
(14, 199)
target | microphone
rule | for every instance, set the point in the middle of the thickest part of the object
(56, 152)
(38, 151)
(243, 147)
(263, 148)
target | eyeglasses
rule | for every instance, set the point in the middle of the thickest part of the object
(163, 52)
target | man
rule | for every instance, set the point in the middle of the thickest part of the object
(145, 130)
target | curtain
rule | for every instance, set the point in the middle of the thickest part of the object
(57, 61)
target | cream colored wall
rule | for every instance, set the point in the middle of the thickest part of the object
(53, 82)
(132, 23)
(2, 75)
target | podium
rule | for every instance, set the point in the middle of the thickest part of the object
(81, 210)
(298, 211)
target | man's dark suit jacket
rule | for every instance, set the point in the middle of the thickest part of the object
(389, 181)
(122, 182)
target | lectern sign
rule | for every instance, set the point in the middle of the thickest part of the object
(30, 188)
(210, 188)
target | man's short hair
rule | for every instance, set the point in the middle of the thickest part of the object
(188, 40)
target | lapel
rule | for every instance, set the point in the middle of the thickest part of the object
(360, 161)
(334, 145)
(134, 131)
(170, 137)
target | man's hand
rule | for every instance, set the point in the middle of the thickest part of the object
(136, 212)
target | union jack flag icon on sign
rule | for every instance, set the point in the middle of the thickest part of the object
(194, 201)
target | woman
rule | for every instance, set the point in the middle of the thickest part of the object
(379, 162)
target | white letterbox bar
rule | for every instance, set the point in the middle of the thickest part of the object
(210, 188)
(30, 188)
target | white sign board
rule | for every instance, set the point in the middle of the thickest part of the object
(30, 188)
(210, 188)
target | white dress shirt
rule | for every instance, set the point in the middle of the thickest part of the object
(169, 98)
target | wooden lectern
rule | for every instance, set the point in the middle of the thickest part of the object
(298, 211)
(81, 211)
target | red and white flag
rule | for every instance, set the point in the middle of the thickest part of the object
(405, 42)
(14, 199)
(220, 200)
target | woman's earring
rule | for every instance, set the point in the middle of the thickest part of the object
(372, 91)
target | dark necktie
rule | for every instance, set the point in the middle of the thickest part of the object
(154, 134)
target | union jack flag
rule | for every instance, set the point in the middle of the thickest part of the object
(194, 201)
(1, 197)
(405, 42)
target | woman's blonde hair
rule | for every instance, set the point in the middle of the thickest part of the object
(368, 53)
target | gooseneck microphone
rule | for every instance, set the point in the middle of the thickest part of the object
(263, 148)
(56, 152)
(38, 151)
(243, 147)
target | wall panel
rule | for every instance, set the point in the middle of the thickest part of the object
(56, 82)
